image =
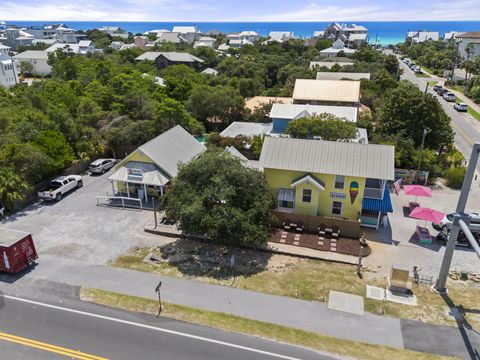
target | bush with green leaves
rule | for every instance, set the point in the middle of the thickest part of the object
(455, 177)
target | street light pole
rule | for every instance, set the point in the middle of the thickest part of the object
(421, 154)
(440, 285)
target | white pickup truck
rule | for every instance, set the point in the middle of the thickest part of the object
(60, 186)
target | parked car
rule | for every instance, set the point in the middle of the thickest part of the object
(437, 87)
(101, 166)
(411, 65)
(60, 186)
(447, 222)
(442, 91)
(461, 107)
(449, 96)
(417, 69)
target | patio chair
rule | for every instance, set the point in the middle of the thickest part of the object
(287, 224)
(300, 227)
(321, 230)
(335, 231)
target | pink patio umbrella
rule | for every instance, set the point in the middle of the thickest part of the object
(417, 190)
(427, 214)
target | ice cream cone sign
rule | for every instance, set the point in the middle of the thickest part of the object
(353, 191)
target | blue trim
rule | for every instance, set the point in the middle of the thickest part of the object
(384, 206)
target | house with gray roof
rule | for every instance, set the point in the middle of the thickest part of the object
(38, 59)
(165, 59)
(329, 179)
(147, 170)
(334, 75)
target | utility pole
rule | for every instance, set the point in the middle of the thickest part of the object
(459, 220)
(421, 153)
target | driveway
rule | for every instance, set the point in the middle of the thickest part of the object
(75, 228)
(394, 244)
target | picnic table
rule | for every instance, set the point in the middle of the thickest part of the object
(423, 235)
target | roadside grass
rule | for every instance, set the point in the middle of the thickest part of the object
(312, 280)
(422, 75)
(432, 83)
(246, 326)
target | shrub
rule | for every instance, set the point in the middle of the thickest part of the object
(455, 177)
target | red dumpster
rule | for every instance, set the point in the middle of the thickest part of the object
(17, 250)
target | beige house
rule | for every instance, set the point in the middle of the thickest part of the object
(327, 92)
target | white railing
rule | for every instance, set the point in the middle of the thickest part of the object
(116, 198)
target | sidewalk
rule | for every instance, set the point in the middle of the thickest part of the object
(307, 315)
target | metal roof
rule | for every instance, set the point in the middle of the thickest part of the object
(246, 129)
(327, 90)
(296, 111)
(154, 178)
(328, 157)
(171, 56)
(172, 147)
(328, 75)
(32, 54)
(8, 237)
(234, 152)
(383, 205)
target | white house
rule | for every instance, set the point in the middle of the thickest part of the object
(8, 71)
(189, 33)
(422, 36)
(210, 71)
(206, 41)
(37, 58)
(114, 31)
(84, 47)
(4, 49)
(337, 47)
(251, 36)
(349, 34)
(469, 41)
(280, 36)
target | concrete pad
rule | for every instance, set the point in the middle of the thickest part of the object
(376, 293)
(401, 299)
(340, 301)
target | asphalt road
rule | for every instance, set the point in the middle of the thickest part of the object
(78, 330)
(467, 129)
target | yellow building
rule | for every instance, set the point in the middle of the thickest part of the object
(147, 170)
(325, 178)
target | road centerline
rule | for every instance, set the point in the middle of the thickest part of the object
(154, 328)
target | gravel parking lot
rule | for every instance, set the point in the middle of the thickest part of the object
(77, 228)
(395, 245)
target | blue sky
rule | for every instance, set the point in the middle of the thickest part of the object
(243, 10)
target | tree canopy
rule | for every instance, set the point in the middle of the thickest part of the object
(217, 196)
(325, 126)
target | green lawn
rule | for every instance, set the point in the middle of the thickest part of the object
(422, 75)
(313, 279)
(342, 347)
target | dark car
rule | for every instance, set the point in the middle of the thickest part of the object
(437, 87)
(442, 91)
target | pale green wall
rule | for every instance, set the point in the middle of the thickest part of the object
(283, 178)
(137, 155)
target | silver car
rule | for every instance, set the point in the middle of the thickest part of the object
(101, 166)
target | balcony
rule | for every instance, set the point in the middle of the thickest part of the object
(374, 189)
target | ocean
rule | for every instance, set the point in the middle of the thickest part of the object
(386, 32)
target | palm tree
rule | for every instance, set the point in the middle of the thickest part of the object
(12, 187)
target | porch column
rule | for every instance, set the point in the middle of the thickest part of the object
(113, 189)
(128, 190)
(146, 195)
(161, 190)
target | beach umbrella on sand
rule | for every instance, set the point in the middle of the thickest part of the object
(427, 214)
(417, 190)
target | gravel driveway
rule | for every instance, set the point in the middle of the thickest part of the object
(76, 228)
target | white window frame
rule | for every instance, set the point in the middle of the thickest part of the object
(344, 180)
(341, 207)
(309, 195)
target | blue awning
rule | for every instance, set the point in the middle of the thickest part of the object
(384, 205)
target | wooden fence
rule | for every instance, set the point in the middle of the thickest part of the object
(348, 228)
